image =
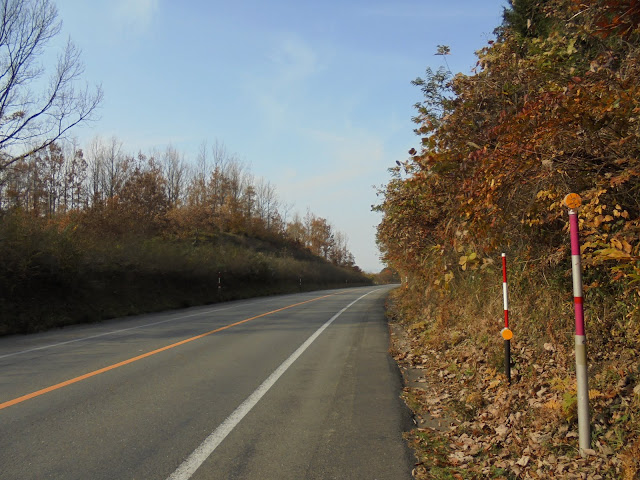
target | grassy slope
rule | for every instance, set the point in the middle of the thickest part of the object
(51, 278)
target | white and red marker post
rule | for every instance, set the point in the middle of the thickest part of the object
(573, 201)
(506, 333)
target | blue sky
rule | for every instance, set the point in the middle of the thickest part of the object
(314, 96)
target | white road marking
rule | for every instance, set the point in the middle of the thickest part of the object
(113, 332)
(186, 470)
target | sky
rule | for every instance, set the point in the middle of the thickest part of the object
(315, 97)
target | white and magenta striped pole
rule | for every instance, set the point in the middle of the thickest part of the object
(507, 334)
(573, 201)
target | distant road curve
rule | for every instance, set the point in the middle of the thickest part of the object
(288, 387)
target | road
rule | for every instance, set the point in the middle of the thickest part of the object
(287, 387)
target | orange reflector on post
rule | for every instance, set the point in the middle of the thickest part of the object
(507, 334)
(573, 201)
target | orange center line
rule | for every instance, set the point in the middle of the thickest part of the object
(71, 381)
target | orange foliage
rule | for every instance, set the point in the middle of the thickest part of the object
(542, 116)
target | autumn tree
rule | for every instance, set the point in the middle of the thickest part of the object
(296, 230)
(544, 114)
(321, 240)
(387, 275)
(32, 120)
(143, 202)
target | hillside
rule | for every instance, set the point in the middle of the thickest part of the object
(84, 238)
(53, 275)
(552, 108)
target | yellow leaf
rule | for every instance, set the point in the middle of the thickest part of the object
(613, 254)
(553, 405)
(594, 394)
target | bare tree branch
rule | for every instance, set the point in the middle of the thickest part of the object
(32, 121)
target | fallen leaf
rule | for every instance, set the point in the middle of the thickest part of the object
(606, 450)
(502, 430)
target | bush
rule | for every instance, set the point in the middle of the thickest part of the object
(55, 273)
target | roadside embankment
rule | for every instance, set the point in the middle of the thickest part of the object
(51, 277)
(470, 423)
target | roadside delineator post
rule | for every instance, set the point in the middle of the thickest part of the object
(219, 283)
(506, 333)
(573, 201)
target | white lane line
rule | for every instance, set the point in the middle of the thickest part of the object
(113, 332)
(186, 470)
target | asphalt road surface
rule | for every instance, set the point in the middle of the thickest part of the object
(288, 387)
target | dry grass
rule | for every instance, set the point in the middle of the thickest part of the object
(51, 277)
(528, 429)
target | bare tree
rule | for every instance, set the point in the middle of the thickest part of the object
(114, 164)
(197, 181)
(75, 189)
(202, 162)
(96, 170)
(227, 182)
(340, 254)
(266, 201)
(174, 169)
(31, 121)
(285, 210)
(107, 168)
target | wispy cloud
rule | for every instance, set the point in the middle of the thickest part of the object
(340, 159)
(339, 185)
(136, 13)
(287, 67)
(293, 60)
